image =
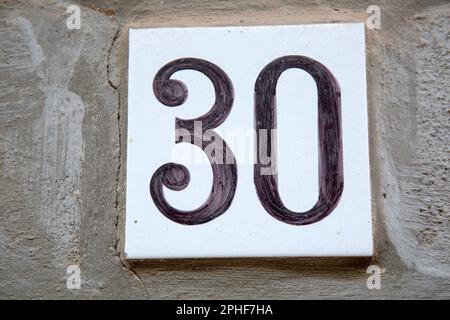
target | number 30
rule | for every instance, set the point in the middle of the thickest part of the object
(176, 177)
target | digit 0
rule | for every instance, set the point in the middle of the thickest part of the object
(331, 177)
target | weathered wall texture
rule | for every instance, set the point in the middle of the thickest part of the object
(62, 153)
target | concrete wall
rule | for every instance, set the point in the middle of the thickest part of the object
(63, 118)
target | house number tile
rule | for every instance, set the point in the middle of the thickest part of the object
(247, 142)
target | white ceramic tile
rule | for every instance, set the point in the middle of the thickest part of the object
(246, 229)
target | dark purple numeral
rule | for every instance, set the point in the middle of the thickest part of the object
(331, 180)
(175, 176)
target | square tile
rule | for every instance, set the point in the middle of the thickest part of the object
(312, 135)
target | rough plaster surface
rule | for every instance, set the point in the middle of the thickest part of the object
(416, 205)
(62, 153)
